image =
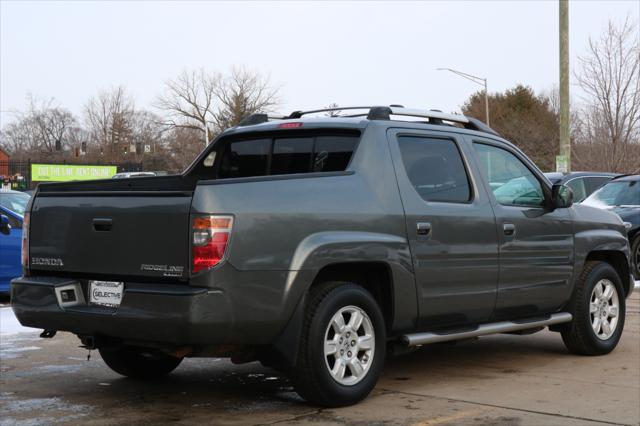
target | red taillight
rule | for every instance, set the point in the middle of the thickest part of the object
(209, 241)
(25, 240)
(290, 125)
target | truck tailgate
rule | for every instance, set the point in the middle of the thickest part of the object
(105, 235)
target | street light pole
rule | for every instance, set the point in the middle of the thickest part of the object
(478, 80)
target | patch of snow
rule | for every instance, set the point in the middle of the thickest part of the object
(59, 411)
(9, 324)
(8, 350)
(69, 368)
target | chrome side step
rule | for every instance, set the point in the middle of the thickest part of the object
(484, 329)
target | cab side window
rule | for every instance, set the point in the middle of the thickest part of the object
(435, 169)
(512, 183)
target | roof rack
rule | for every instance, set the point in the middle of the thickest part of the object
(382, 113)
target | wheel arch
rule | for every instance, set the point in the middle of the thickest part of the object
(381, 263)
(618, 260)
(606, 245)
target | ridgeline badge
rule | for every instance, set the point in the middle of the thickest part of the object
(166, 270)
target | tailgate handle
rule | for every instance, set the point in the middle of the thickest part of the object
(102, 224)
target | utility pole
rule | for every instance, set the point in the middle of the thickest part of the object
(563, 161)
(478, 80)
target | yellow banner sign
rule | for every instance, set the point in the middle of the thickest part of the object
(66, 172)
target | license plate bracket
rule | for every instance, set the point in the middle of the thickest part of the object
(106, 293)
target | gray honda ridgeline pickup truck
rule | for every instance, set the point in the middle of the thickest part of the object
(314, 245)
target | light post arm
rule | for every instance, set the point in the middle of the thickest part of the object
(478, 80)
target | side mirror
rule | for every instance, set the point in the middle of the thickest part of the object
(5, 228)
(562, 196)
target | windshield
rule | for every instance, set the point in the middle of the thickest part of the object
(620, 193)
(14, 201)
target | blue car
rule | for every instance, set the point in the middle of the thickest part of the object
(12, 207)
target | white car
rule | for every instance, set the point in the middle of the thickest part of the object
(127, 175)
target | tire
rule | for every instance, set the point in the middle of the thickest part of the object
(311, 376)
(138, 363)
(583, 335)
(635, 257)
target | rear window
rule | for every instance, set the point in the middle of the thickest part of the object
(286, 155)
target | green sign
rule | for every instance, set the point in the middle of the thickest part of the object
(66, 172)
(562, 163)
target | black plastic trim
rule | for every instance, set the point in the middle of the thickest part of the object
(275, 177)
(123, 193)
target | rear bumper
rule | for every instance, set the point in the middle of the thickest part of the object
(174, 314)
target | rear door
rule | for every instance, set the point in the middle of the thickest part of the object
(450, 226)
(536, 242)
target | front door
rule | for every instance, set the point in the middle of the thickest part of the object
(450, 227)
(536, 241)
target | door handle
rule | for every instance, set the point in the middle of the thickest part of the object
(509, 229)
(102, 224)
(423, 228)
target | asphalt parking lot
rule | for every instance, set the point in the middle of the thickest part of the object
(497, 380)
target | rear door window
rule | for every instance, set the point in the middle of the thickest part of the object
(435, 169)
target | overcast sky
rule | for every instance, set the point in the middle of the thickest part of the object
(318, 52)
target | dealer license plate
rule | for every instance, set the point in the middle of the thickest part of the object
(106, 293)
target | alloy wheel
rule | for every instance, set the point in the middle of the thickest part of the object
(604, 308)
(349, 345)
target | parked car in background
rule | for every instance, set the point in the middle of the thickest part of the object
(622, 195)
(582, 184)
(126, 175)
(12, 207)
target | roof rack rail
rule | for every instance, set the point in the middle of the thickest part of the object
(382, 113)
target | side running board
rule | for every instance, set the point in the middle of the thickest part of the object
(484, 329)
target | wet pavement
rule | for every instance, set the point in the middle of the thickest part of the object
(497, 380)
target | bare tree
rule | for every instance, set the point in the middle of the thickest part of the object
(240, 94)
(109, 118)
(609, 74)
(183, 146)
(210, 102)
(43, 128)
(335, 112)
(189, 101)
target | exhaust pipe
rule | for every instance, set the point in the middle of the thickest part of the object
(48, 334)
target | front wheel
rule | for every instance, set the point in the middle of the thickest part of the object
(635, 257)
(598, 309)
(342, 346)
(139, 363)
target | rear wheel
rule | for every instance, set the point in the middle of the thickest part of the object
(139, 363)
(598, 309)
(342, 346)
